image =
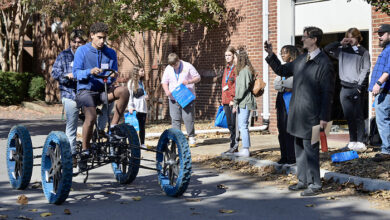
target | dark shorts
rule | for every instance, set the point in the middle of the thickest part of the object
(87, 98)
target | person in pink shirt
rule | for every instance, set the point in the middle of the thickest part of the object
(180, 72)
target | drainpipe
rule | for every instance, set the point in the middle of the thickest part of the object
(265, 113)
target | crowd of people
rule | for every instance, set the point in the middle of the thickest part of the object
(305, 86)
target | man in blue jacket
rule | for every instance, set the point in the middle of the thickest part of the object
(380, 88)
(90, 60)
(62, 72)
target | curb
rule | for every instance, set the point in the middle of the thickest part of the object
(368, 184)
(35, 107)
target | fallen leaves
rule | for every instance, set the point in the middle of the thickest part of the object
(310, 205)
(33, 210)
(46, 214)
(227, 211)
(22, 199)
(222, 186)
(193, 199)
(67, 212)
(137, 198)
(331, 198)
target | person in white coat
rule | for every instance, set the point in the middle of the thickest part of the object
(137, 100)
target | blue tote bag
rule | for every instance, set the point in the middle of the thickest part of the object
(183, 95)
(220, 120)
(132, 120)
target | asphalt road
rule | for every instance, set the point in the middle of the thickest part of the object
(103, 198)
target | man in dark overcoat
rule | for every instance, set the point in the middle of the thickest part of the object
(310, 105)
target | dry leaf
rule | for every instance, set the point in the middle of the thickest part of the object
(46, 214)
(309, 205)
(222, 186)
(3, 216)
(22, 199)
(67, 212)
(33, 210)
(137, 198)
(193, 199)
(228, 211)
(331, 198)
(23, 217)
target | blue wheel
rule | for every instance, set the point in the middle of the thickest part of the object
(173, 162)
(56, 168)
(19, 157)
(126, 170)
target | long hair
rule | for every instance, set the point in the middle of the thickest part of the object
(135, 77)
(243, 60)
(291, 50)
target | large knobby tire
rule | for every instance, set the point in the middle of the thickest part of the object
(56, 168)
(126, 172)
(173, 162)
(19, 157)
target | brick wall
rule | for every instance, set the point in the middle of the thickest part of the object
(205, 49)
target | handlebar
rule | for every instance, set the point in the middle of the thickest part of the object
(112, 71)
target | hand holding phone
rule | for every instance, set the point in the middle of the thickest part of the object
(268, 47)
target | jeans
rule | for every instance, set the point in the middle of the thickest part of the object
(382, 111)
(243, 122)
(188, 114)
(72, 115)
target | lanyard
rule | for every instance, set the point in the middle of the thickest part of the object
(230, 71)
(141, 85)
(178, 71)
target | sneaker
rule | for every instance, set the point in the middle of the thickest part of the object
(282, 161)
(359, 147)
(231, 151)
(192, 141)
(349, 146)
(244, 152)
(83, 160)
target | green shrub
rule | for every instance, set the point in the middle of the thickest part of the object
(37, 87)
(13, 87)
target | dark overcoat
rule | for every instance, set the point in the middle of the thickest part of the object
(312, 94)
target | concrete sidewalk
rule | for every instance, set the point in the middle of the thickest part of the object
(263, 142)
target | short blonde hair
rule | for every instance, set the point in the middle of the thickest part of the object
(173, 58)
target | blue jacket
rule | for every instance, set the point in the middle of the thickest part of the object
(62, 67)
(86, 58)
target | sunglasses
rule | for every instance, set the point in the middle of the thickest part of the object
(380, 34)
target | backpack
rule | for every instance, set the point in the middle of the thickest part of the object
(258, 86)
(373, 137)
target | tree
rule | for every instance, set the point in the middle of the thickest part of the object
(380, 5)
(15, 15)
(136, 24)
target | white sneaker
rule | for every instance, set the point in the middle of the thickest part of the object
(192, 141)
(359, 147)
(349, 146)
(244, 152)
(143, 146)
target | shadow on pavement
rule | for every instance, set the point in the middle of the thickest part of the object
(35, 127)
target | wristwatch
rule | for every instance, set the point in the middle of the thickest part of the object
(379, 83)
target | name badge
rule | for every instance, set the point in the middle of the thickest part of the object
(225, 88)
(105, 66)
